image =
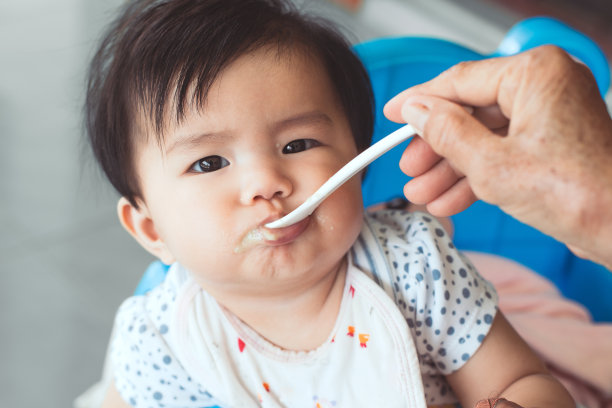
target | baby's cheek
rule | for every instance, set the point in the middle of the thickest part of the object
(325, 221)
(209, 240)
(345, 212)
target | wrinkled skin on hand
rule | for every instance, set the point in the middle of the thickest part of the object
(538, 144)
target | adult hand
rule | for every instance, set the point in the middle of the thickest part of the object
(538, 144)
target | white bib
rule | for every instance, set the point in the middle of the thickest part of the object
(368, 360)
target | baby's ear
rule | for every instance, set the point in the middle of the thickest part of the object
(140, 225)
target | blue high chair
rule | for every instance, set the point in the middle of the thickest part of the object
(395, 64)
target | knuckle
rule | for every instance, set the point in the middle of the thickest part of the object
(545, 71)
(457, 71)
(548, 52)
(549, 58)
(460, 67)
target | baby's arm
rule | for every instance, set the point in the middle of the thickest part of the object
(504, 366)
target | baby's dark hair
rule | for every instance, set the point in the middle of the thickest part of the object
(161, 55)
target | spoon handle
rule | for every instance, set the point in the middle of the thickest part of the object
(345, 173)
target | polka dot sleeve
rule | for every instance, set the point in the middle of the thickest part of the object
(449, 307)
(146, 372)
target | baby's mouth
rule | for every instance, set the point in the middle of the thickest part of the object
(261, 235)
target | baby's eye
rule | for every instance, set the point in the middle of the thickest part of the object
(209, 164)
(300, 145)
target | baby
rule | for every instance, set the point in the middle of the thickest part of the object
(214, 117)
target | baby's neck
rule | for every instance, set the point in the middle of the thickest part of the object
(301, 320)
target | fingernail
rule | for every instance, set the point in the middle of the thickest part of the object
(496, 400)
(487, 403)
(483, 404)
(416, 114)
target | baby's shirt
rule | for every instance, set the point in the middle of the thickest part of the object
(412, 309)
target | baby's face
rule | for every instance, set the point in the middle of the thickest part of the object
(271, 132)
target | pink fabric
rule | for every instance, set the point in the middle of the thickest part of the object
(577, 350)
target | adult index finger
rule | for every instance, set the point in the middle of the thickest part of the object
(494, 81)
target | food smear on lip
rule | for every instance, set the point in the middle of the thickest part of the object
(261, 235)
(254, 237)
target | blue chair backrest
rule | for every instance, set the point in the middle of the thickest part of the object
(395, 64)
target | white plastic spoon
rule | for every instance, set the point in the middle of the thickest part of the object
(345, 173)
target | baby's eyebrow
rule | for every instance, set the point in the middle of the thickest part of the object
(192, 140)
(301, 119)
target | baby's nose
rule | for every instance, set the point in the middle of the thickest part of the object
(265, 182)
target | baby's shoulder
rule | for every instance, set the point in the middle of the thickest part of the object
(415, 247)
(401, 232)
(143, 350)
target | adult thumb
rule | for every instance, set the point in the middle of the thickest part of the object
(450, 130)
